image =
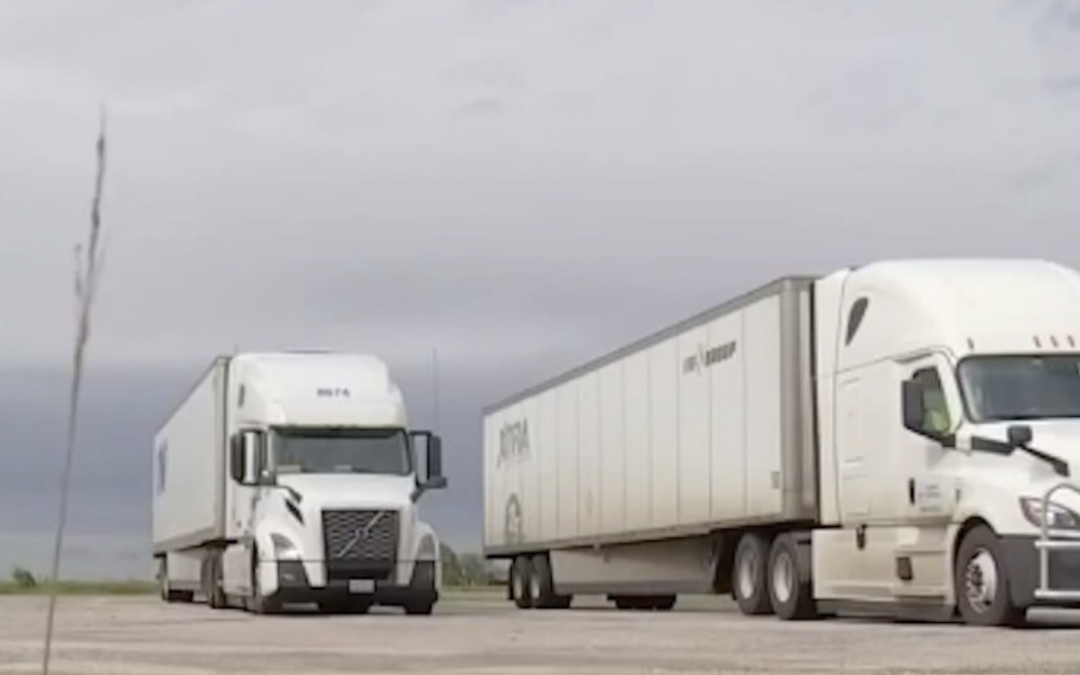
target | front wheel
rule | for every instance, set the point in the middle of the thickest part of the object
(419, 607)
(982, 582)
(257, 603)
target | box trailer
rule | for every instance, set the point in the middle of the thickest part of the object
(294, 478)
(894, 439)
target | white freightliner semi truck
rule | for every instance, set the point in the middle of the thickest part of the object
(295, 478)
(899, 439)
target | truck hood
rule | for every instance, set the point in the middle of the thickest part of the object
(350, 490)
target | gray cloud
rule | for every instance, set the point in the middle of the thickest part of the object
(522, 185)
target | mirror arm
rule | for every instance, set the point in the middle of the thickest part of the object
(1060, 466)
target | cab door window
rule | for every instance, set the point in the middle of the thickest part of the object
(936, 418)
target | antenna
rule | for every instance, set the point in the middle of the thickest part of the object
(435, 389)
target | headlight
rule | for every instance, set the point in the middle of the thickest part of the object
(283, 548)
(1059, 517)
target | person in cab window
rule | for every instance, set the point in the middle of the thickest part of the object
(935, 407)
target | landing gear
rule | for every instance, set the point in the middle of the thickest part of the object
(165, 591)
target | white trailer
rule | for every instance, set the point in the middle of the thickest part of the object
(898, 439)
(294, 478)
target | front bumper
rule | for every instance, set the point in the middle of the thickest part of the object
(293, 587)
(1022, 563)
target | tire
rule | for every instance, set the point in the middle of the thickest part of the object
(542, 585)
(625, 602)
(215, 594)
(520, 575)
(982, 583)
(790, 592)
(749, 580)
(419, 607)
(664, 603)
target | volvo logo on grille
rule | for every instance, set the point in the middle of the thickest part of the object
(361, 533)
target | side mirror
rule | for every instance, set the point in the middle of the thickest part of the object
(236, 458)
(245, 458)
(431, 478)
(913, 406)
(434, 461)
(1020, 435)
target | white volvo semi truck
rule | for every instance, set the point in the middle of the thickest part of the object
(295, 478)
(899, 439)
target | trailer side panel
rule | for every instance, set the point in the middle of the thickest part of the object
(698, 428)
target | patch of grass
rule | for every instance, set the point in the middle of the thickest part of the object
(85, 588)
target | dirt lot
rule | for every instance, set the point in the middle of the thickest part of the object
(129, 636)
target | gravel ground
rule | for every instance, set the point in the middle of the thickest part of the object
(128, 636)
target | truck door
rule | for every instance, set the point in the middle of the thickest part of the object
(917, 500)
(922, 493)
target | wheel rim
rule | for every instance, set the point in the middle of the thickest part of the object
(534, 586)
(748, 568)
(783, 577)
(981, 581)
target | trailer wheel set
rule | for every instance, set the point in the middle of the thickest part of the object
(532, 585)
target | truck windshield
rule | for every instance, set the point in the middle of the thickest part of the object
(383, 451)
(1001, 388)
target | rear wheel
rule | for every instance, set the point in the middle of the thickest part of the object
(790, 592)
(982, 582)
(664, 603)
(520, 582)
(542, 585)
(215, 593)
(749, 575)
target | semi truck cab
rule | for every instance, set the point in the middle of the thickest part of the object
(320, 489)
(949, 394)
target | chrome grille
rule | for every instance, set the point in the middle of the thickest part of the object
(369, 536)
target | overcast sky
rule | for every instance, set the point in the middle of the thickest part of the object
(521, 184)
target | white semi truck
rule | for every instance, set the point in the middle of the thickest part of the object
(900, 439)
(294, 478)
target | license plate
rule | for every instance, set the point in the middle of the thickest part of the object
(361, 586)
